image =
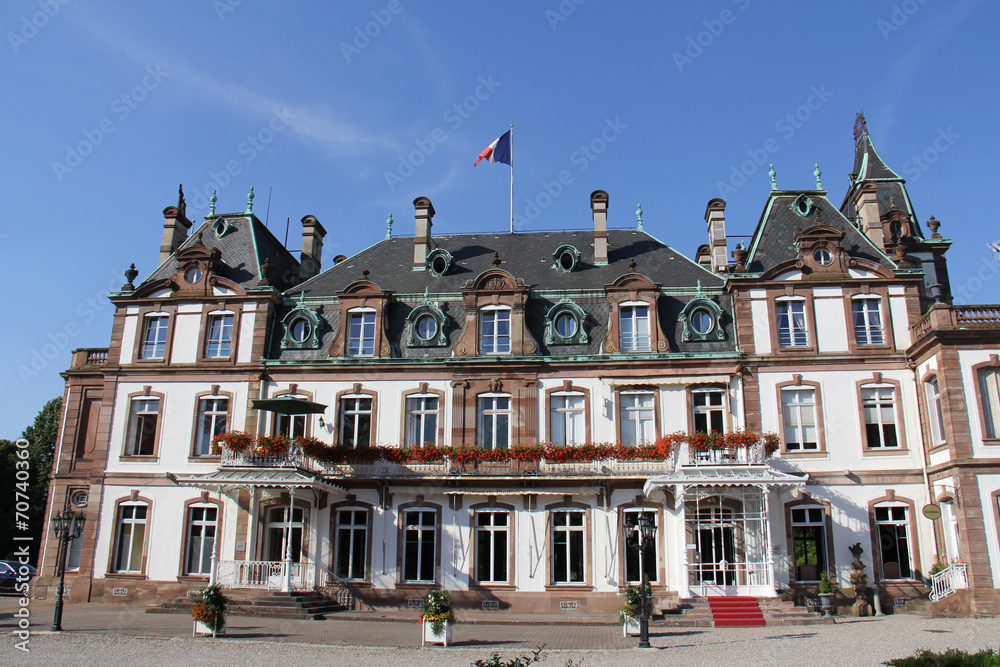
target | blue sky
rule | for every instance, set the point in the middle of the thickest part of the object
(348, 111)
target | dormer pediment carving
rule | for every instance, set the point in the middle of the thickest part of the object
(498, 289)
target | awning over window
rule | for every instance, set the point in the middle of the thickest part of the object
(759, 476)
(289, 406)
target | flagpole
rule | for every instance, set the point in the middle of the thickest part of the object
(511, 179)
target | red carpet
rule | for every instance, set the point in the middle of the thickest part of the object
(736, 612)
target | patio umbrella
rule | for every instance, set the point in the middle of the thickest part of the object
(289, 406)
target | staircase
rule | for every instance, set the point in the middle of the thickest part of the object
(736, 612)
(701, 612)
(302, 605)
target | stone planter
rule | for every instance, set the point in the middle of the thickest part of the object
(429, 637)
(630, 628)
(826, 604)
(203, 629)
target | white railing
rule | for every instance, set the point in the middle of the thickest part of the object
(735, 456)
(947, 581)
(291, 459)
(265, 574)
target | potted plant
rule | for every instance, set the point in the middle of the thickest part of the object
(437, 618)
(628, 614)
(209, 611)
(825, 595)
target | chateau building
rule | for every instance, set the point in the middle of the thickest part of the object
(491, 414)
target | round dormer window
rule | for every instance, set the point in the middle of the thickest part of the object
(192, 275)
(823, 256)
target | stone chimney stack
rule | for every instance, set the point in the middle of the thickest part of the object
(175, 227)
(311, 257)
(599, 207)
(715, 216)
(422, 235)
(869, 220)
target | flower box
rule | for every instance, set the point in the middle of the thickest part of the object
(205, 629)
(430, 638)
(630, 627)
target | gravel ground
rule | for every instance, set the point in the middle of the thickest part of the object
(858, 642)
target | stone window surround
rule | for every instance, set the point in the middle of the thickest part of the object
(993, 362)
(357, 506)
(418, 505)
(798, 383)
(727, 409)
(804, 500)
(170, 312)
(924, 406)
(266, 505)
(133, 499)
(220, 309)
(567, 505)
(881, 293)
(498, 288)
(205, 500)
(293, 390)
(911, 536)
(631, 389)
(357, 391)
(421, 391)
(465, 407)
(568, 387)
(639, 505)
(902, 446)
(214, 392)
(491, 505)
(147, 392)
(362, 294)
(790, 293)
(634, 288)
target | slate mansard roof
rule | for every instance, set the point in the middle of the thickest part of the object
(870, 168)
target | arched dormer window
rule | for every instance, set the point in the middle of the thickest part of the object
(634, 325)
(564, 324)
(363, 308)
(495, 321)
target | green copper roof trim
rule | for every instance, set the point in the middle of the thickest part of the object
(760, 224)
(507, 360)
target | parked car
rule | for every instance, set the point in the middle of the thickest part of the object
(9, 570)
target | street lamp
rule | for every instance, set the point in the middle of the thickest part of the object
(647, 533)
(68, 526)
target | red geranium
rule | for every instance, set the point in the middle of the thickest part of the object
(272, 445)
(237, 441)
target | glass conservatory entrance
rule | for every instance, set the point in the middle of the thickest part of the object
(727, 539)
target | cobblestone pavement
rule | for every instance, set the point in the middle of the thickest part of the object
(118, 635)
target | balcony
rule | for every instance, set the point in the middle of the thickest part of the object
(88, 357)
(956, 318)
(730, 456)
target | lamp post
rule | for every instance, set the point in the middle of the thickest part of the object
(68, 526)
(647, 533)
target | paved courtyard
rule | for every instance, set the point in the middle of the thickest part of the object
(118, 635)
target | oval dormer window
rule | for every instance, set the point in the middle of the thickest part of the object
(427, 327)
(803, 205)
(565, 258)
(823, 256)
(566, 325)
(439, 262)
(300, 330)
(192, 275)
(702, 321)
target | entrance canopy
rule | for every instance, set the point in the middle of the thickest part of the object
(289, 406)
(759, 476)
(283, 478)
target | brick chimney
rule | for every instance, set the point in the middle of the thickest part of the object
(715, 216)
(422, 236)
(312, 247)
(599, 207)
(869, 220)
(175, 227)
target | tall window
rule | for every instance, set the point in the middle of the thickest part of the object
(568, 547)
(709, 410)
(492, 547)
(212, 415)
(637, 417)
(356, 421)
(631, 526)
(633, 327)
(200, 539)
(867, 322)
(142, 419)
(154, 337)
(279, 541)
(891, 522)
(494, 421)
(798, 411)
(361, 333)
(421, 420)
(989, 391)
(879, 407)
(494, 336)
(419, 546)
(791, 323)
(808, 542)
(352, 544)
(934, 410)
(292, 426)
(220, 336)
(131, 537)
(567, 419)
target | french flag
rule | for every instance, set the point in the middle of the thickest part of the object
(498, 151)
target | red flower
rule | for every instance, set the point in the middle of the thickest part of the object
(272, 445)
(237, 441)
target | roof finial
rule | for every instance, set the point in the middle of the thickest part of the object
(131, 273)
(817, 174)
(631, 265)
(774, 181)
(860, 126)
(427, 295)
(496, 258)
(638, 215)
(250, 201)
(181, 204)
(211, 208)
(388, 227)
(365, 273)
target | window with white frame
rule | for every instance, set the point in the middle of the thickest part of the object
(130, 537)
(791, 316)
(419, 545)
(492, 547)
(867, 321)
(352, 544)
(989, 393)
(154, 337)
(567, 418)
(421, 420)
(144, 414)
(494, 330)
(933, 394)
(879, 407)
(709, 410)
(219, 342)
(201, 531)
(75, 553)
(892, 525)
(637, 416)
(798, 413)
(633, 327)
(212, 415)
(568, 554)
(361, 332)
(290, 426)
(356, 421)
(494, 421)
(949, 526)
(808, 541)
(630, 524)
